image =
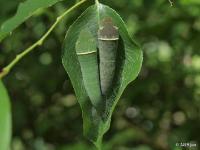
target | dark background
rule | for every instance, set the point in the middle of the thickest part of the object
(159, 109)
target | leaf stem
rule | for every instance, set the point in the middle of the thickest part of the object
(97, 5)
(7, 69)
(97, 2)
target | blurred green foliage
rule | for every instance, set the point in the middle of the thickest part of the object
(159, 109)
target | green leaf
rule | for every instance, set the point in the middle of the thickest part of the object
(24, 11)
(5, 119)
(128, 64)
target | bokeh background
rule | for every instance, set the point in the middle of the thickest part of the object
(159, 109)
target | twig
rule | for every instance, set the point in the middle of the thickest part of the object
(7, 69)
(171, 3)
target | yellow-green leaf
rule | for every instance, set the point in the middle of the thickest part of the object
(5, 119)
(24, 11)
(128, 64)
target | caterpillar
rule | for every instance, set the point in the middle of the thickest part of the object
(97, 58)
(86, 50)
(108, 37)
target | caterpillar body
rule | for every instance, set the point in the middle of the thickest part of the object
(86, 50)
(108, 37)
(97, 58)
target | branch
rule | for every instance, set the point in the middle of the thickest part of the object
(171, 3)
(7, 69)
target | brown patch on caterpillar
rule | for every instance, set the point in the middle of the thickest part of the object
(108, 31)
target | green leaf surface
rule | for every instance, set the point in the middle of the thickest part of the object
(24, 11)
(129, 61)
(5, 119)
